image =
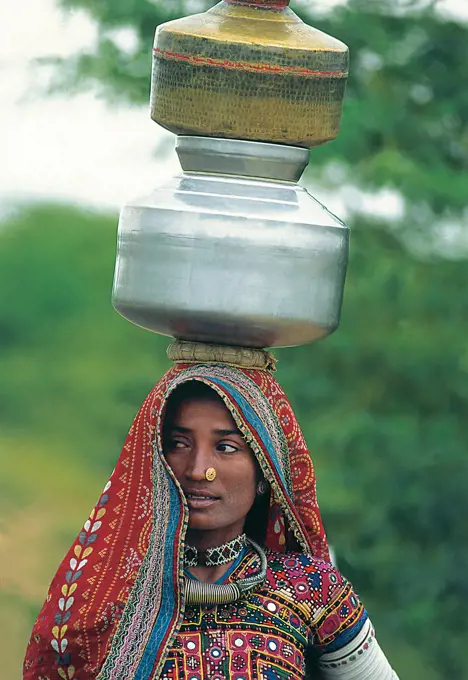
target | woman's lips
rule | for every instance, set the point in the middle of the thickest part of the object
(200, 501)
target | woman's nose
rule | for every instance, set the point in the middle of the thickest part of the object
(200, 461)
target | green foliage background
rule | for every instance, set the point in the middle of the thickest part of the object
(382, 403)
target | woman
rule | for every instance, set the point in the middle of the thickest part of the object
(205, 556)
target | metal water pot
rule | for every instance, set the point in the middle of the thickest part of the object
(232, 250)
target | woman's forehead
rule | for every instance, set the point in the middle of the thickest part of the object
(198, 402)
(202, 411)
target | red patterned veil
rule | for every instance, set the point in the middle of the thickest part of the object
(117, 600)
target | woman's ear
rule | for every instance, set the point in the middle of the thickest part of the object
(262, 487)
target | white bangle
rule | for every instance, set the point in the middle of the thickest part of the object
(360, 659)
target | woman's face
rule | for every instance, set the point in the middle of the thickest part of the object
(201, 434)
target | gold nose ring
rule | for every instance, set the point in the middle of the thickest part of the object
(210, 474)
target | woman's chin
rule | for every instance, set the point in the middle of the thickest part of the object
(198, 524)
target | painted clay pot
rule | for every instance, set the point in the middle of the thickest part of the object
(250, 70)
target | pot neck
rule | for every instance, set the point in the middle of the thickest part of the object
(241, 157)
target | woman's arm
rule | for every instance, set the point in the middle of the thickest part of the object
(359, 659)
(343, 644)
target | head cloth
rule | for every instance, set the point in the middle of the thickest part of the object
(117, 600)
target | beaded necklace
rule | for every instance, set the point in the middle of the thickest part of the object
(214, 557)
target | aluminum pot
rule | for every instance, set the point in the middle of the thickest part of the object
(233, 250)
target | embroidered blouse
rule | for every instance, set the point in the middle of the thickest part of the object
(305, 603)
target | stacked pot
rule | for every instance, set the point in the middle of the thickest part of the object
(233, 250)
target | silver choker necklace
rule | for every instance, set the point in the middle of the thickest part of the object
(214, 557)
(201, 593)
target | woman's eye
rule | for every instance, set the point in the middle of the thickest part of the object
(227, 448)
(176, 444)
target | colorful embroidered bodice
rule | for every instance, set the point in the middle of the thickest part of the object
(305, 601)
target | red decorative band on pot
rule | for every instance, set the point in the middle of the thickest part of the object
(195, 60)
(266, 4)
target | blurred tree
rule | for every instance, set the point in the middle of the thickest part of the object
(384, 412)
(61, 341)
(406, 111)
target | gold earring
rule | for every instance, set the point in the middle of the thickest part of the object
(210, 474)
